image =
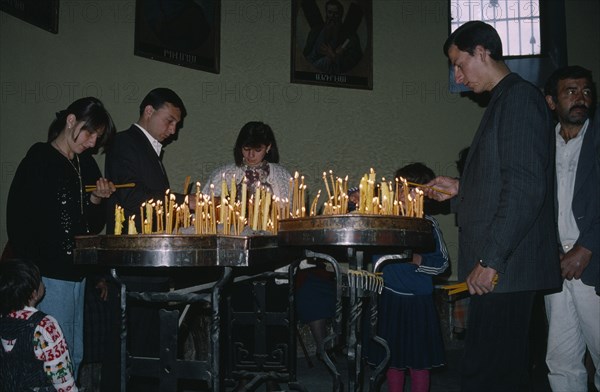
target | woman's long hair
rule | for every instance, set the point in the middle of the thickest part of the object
(256, 134)
(91, 111)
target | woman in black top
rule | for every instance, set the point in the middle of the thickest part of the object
(48, 206)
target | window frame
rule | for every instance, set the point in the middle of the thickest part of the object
(553, 48)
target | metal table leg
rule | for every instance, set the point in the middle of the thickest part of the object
(337, 322)
(355, 374)
(168, 368)
(123, 331)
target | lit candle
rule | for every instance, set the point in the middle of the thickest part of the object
(167, 198)
(334, 187)
(143, 226)
(371, 188)
(370, 192)
(313, 206)
(213, 218)
(421, 201)
(385, 195)
(346, 185)
(171, 211)
(392, 195)
(291, 190)
(256, 207)
(274, 213)
(233, 192)
(224, 195)
(362, 201)
(326, 186)
(149, 214)
(186, 212)
(166, 211)
(223, 215)
(159, 217)
(405, 193)
(296, 196)
(244, 193)
(131, 227)
(199, 215)
(119, 218)
(301, 203)
(266, 205)
(340, 193)
(230, 218)
(251, 210)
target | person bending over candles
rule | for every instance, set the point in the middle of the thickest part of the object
(504, 204)
(257, 160)
(136, 155)
(48, 206)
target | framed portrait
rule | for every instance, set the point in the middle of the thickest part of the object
(332, 43)
(41, 13)
(181, 32)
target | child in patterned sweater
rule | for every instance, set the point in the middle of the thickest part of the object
(33, 351)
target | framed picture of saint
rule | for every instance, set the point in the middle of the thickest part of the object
(181, 32)
(40, 13)
(332, 43)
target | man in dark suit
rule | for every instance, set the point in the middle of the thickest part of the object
(574, 312)
(136, 154)
(505, 211)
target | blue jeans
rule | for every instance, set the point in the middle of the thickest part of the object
(64, 301)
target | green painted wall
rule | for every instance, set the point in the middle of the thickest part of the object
(408, 116)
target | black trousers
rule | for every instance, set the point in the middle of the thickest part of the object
(497, 343)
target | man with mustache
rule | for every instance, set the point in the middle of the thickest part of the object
(574, 312)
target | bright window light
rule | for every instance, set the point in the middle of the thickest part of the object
(517, 22)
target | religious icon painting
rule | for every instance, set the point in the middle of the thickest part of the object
(332, 43)
(181, 32)
(43, 14)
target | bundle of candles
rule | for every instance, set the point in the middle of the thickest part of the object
(168, 216)
(375, 199)
(461, 287)
(230, 213)
(227, 214)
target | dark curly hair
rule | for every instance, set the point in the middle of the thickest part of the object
(569, 72)
(18, 280)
